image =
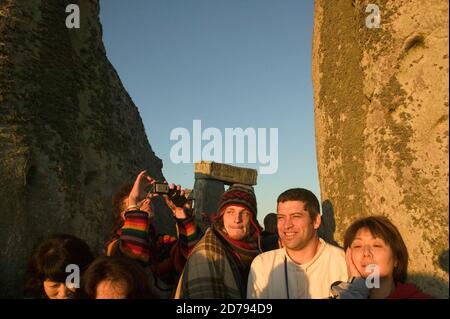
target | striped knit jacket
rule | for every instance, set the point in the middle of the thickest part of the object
(164, 254)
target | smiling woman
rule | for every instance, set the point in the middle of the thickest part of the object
(375, 251)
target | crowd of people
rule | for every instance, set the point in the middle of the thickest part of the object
(233, 259)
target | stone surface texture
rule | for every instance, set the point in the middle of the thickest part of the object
(70, 135)
(381, 117)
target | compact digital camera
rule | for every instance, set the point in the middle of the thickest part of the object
(174, 194)
(159, 188)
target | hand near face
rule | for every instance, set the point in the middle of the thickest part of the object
(351, 267)
(371, 253)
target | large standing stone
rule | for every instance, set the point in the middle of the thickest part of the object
(207, 193)
(381, 116)
(70, 135)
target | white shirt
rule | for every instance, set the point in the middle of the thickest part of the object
(308, 281)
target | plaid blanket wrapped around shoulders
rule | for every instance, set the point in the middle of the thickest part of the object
(211, 272)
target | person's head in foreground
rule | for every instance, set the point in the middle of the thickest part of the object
(52, 261)
(116, 278)
(374, 247)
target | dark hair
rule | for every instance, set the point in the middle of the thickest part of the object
(311, 203)
(117, 200)
(118, 206)
(117, 269)
(381, 227)
(270, 221)
(50, 259)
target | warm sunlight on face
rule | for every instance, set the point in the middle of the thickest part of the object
(58, 290)
(370, 250)
(108, 289)
(295, 227)
(236, 221)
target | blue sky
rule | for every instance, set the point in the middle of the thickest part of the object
(228, 63)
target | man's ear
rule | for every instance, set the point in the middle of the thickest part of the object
(317, 221)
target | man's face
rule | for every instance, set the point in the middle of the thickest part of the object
(236, 221)
(295, 227)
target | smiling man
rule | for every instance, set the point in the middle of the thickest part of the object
(306, 266)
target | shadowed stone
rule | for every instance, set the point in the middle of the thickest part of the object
(70, 135)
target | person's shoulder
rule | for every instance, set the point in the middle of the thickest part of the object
(209, 245)
(200, 246)
(332, 249)
(269, 255)
(408, 291)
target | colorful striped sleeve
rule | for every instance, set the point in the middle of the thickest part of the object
(188, 233)
(134, 236)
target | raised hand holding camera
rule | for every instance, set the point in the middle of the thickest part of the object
(138, 192)
(145, 188)
(139, 199)
(177, 201)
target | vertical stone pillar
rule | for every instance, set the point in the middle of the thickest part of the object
(381, 117)
(207, 192)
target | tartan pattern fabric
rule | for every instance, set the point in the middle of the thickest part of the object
(211, 271)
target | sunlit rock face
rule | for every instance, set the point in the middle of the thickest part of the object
(70, 136)
(381, 116)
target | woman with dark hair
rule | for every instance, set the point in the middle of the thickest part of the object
(374, 247)
(48, 269)
(116, 278)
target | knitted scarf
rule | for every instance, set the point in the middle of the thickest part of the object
(243, 252)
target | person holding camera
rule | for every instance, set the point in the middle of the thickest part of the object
(136, 237)
(218, 266)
